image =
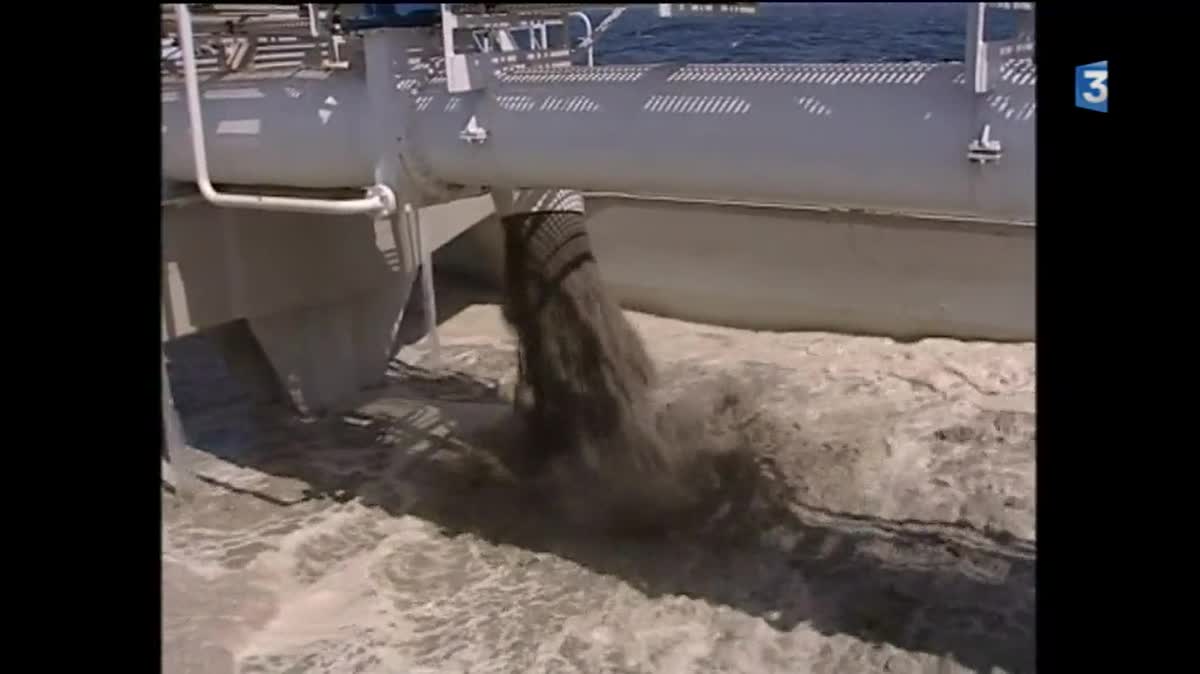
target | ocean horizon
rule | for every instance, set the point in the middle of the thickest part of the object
(801, 32)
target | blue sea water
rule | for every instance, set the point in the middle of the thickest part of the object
(801, 32)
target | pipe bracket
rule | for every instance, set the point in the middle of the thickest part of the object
(473, 132)
(386, 197)
(985, 148)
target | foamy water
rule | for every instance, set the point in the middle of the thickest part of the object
(387, 545)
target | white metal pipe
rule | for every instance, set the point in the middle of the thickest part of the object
(381, 198)
(312, 20)
(976, 56)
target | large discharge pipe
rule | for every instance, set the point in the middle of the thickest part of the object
(883, 137)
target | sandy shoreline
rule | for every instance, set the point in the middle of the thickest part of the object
(376, 543)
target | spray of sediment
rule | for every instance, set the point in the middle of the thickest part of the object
(599, 435)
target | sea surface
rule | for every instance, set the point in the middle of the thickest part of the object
(803, 32)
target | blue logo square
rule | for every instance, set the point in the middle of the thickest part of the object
(1091, 86)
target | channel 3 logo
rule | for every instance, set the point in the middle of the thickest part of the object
(1091, 86)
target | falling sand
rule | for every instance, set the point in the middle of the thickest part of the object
(600, 438)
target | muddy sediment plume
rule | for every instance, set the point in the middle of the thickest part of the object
(599, 439)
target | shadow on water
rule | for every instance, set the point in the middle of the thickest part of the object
(944, 589)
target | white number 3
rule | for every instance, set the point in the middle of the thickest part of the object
(1096, 82)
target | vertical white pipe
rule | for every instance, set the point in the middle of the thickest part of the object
(312, 20)
(977, 65)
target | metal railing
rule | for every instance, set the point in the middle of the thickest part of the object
(380, 199)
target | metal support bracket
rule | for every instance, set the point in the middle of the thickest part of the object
(473, 132)
(497, 47)
(412, 220)
(984, 149)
